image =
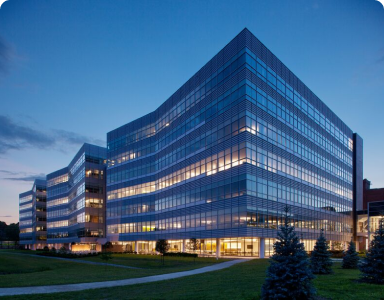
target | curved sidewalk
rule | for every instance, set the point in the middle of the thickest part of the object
(107, 284)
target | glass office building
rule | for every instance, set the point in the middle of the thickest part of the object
(76, 202)
(221, 158)
(33, 216)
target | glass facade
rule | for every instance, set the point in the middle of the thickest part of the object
(223, 156)
(76, 202)
(217, 162)
(368, 222)
(33, 216)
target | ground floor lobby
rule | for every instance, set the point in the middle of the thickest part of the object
(77, 247)
(241, 246)
(219, 247)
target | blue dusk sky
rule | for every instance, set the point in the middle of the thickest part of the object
(70, 71)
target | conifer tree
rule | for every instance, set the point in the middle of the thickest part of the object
(351, 257)
(372, 267)
(289, 275)
(321, 262)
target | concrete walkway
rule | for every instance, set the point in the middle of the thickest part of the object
(107, 284)
(76, 260)
(337, 259)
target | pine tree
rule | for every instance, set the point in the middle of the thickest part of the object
(372, 267)
(321, 262)
(351, 257)
(289, 275)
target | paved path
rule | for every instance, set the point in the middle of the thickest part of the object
(107, 284)
(76, 260)
(337, 259)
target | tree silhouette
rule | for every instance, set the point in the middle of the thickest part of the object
(194, 245)
(162, 246)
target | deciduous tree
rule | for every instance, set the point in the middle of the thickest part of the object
(162, 246)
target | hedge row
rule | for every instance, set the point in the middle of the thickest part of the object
(335, 253)
(181, 254)
(66, 255)
(120, 252)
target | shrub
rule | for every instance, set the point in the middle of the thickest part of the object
(107, 247)
(66, 255)
(181, 254)
(106, 256)
(362, 253)
(129, 252)
(336, 253)
(45, 248)
(63, 250)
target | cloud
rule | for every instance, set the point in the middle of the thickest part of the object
(15, 136)
(9, 172)
(28, 178)
(21, 176)
(6, 54)
(75, 139)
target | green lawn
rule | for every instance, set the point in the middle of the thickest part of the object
(171, 263)
(24, 270)
(242, 281)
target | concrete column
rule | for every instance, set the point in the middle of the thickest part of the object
(217, 248)
(136, 247)
(262, 247)
(357, 245)
(183, 248)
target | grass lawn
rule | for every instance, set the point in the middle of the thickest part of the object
(24, 270)
(242, 281)
(171, 263)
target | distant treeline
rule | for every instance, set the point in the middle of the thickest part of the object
(9, 232)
